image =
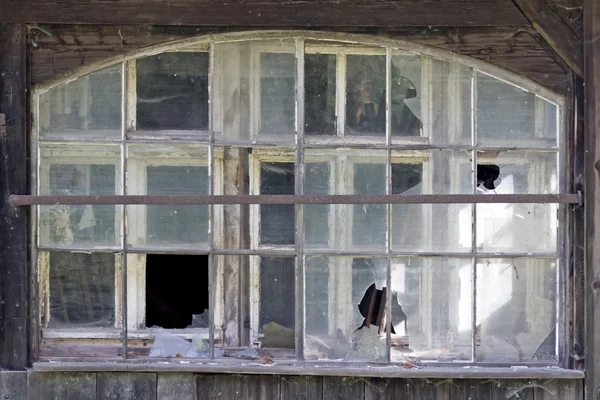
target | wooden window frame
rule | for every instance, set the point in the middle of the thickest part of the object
(339, 140)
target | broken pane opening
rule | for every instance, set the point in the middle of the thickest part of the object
(177, 288)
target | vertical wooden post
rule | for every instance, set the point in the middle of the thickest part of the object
(13, 179)
(591, 11)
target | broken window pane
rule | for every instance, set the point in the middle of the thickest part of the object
(365, 94)
(183, 173)
(345, 335)
(516, 309)
(407, 119)
(518, 227)
(172, 91)
(277, 220)
(84, 170)
(254, 91)
(433, 295)
(169, 300)
(88, 107)
(506, 113)
(82, 290)
(320, 94)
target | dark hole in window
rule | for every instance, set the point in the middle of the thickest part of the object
(176, 288)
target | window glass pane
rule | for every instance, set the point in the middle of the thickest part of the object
(407, 95)
(79, 170)
(254, 91)
(506, 113)
(317, 180)
(277, 220)
(319, 94)
(432, 227)
(82, 290)
(434, 298)
(343, 285)
(518, 227)
(365, 94)
(277, 292)
(277, 93)
(169, 224)
(172, 91)
(516, 309)
(88, 107)
(168, 171)
(369, 220)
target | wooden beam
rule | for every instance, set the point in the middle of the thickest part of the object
(267, 13)
(555, 31)
(68, 47)
(591, 14)
(13, 179)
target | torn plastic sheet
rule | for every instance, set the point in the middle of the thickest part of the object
(168, 345)
(200, 320)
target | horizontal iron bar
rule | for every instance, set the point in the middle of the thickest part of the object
(29, 200)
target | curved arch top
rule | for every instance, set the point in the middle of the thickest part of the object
(338, 37)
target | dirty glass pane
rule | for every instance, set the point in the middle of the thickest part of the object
(168, 171)
(369, 220)
(335, 286)
(277, 220)
(507, 114)
(516, 309)
(365, 94)
(172, 91)
(431, 227)
(80, 170)
(450, 103)
(517, 227)
(317, 180)
(82, 290)
(433, 300)
(88, 107)
(277, 294)
(254, 91)
(407, 88)
(320, 94)
(347, 226)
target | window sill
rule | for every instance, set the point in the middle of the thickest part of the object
(375, 371)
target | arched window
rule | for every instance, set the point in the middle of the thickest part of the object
(302, 113)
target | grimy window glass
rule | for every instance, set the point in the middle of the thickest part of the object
(467, 283)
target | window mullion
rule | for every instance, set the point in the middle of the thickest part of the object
(474, 217)
(388, 207)
(299, 214)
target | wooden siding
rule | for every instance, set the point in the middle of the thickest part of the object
(58, 49)
(188, 386)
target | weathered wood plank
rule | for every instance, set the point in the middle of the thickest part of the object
(176, 387)
(13, 385)
(591, 13)
(72, 46)
(13, 179)
(61, 386)
(571, 12)
(126, 386)
(260, 387)
(555, 31)
(336, 388)
(272, 13)
(301, 387)
(217, 387)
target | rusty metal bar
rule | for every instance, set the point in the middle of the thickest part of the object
(29, 200)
